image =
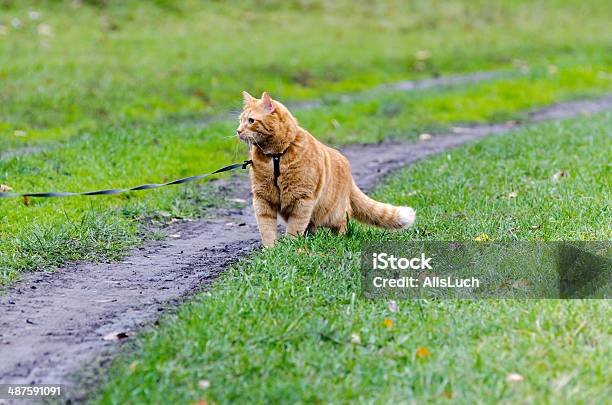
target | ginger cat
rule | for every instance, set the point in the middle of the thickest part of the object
(309, 184)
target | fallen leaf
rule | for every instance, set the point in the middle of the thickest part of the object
(355, 338)
(44, 30)
(561, 174)
(393, 306)
(422, 54)
(514, 378)
(483, 237)
(116, 335)
(26, 200)
(4, 188)
(388, 323)
(422, 352)
(513, 194)
(425, 137)
(203, 384)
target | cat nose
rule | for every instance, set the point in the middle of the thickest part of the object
(239, 132)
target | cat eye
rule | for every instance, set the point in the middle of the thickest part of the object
(251, 120)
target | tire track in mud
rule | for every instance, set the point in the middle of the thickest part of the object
(53, 325)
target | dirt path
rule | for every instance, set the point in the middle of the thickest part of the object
(52, 324)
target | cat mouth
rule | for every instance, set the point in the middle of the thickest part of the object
(244, 138)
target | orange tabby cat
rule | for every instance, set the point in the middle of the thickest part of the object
(309, 184)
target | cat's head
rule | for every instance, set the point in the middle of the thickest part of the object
(266, 123)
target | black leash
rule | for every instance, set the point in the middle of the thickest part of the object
(234, 166)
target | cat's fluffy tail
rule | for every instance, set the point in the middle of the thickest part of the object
(375, 213)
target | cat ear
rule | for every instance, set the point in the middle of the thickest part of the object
(247, 97)
(267, 102)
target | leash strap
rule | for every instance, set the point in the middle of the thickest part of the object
(49, 194)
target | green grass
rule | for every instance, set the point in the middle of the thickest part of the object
(278, 327)
(49, 233)
(121, 94)
(133, 62)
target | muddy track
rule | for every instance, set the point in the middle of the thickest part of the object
(52, 324)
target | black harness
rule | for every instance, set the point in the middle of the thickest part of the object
(276, 162)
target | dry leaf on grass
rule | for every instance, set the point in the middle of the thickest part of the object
(422, 352)
(44, 30)
(422, 54)
(26, 200)
(514, 378)
(483, 237)
(561, 174)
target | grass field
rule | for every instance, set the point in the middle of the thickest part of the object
(128, 100)
(108, 93)
(69, 70)
(289, 325)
